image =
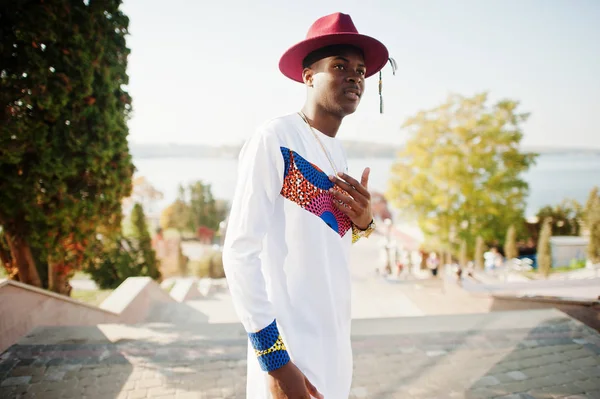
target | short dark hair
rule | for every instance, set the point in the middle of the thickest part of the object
(328, 51)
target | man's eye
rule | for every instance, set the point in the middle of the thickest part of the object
(361, 72)
(339, 66)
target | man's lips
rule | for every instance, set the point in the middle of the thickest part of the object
(352, 94)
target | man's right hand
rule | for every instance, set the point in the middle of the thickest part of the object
(288, 382)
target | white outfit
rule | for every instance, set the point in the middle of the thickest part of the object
(286, 253)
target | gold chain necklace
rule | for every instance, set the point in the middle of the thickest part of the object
(305, 119)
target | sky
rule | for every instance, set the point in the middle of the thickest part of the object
(206, 72)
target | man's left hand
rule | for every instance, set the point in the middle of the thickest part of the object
(356, 200)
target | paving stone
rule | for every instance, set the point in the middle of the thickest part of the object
(559, 379)
(19, 371)
(54, 376)
(564, 390)
(485, 381)
(593, 394)
(22, 380)
(591, 371)
(73, 392)
(149, 383)
(7, 392)
(160, 391)
(589, 385)
(517, 375)
(539, 382)
(540, 394)
(543, 362)
(13, 391)
(586, 361)
(190, 395)
(483, 393)
(137, 394)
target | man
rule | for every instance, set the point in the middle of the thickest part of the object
(294, 217)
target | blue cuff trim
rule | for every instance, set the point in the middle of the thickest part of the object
(269, 347)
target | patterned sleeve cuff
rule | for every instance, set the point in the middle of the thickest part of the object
(269, 347)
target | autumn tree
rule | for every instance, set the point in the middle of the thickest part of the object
(177, 215)
(592, 221)
(544, 252)
(510, 244)
(64, 156)
(460, 173)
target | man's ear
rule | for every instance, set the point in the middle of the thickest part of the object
(307, 76)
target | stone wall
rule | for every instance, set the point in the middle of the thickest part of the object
(24, 307)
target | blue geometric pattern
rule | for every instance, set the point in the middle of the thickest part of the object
(286, 160)
(311, 172)
(269, 347)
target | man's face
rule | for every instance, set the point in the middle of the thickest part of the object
(338, 81)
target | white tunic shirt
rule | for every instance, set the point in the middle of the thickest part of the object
(286, 253)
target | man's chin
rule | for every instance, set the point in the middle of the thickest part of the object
(349, 110)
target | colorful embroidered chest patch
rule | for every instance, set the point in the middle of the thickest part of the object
(307, 185)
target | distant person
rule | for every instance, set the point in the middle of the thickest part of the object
(493, 259)
(295, 214)
(433, 263)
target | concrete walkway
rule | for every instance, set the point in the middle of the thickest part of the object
(197, 349)
(585, 289)
(534, 354)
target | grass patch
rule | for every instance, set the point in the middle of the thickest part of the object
(79, 275)
(575, 265)
(3, 272)
(91, 297)
(570, 268)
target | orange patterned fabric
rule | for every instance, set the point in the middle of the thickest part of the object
(308, 186)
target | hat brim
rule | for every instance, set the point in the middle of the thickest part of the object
(376, 54)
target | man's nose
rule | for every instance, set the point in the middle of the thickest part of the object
(354, 77)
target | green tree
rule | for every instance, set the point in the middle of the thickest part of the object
(566, 217)
(120, 257)
(203, 209)
(148, 263)
(592, 221)
(510, 244)
(479, 251)
(544, 252)
(64, 156)
(195, 207)
(117, 260)
(461, 169)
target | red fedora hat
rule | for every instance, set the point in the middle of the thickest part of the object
(330, 30)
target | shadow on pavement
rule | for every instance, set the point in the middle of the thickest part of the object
(557, 358)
